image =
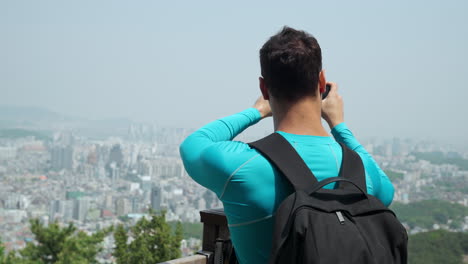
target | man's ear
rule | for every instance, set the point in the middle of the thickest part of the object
(263, 88)
(322, 82)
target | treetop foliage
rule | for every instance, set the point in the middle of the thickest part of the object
(438, 158)
(152, 241)
(394, 176)
(427, 212)
(438, 246)
(60, 245)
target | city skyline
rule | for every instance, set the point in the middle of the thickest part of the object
(47, 122)
(95, 183)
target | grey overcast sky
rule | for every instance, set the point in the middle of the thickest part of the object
(402, 66)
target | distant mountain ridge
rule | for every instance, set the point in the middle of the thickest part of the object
(39, 118)
(29, 115)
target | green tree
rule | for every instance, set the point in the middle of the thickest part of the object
(438, 157)
(50, 241)
(2, 251)
(11, 257)
(153, 241)
(428, 212)
(194, 230)
(120, 250)
(82, 248)
(55, 244)
(394, 176)
(437, 247)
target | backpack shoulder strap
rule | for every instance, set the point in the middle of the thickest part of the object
(352, 169)
(281, 154)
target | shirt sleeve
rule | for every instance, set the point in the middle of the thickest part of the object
(203, 151)
(382, 187)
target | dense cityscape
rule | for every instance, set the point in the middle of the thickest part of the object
(97, 183)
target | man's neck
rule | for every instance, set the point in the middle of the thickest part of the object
(301, 118)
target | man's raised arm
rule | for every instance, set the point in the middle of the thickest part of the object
(202, 152)
(333, 113)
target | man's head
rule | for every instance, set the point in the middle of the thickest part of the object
(291, 62)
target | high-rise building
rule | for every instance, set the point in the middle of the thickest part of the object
(61, 209)
(64, 138)
(396, 147)
(80, 209)
(53, 209)
(92, 158)
(7, 153)
(108, 202)
(116, 155)
(122, 206)
(137, 205)
(156, 198)
(16, 201)
(114, 173)
(145, 183)
(210, 199)
(73, 195)
(61, 158)
(133, 155)
(144, 167)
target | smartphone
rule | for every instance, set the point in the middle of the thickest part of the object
(327, 90)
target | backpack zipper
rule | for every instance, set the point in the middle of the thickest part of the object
(340, 217)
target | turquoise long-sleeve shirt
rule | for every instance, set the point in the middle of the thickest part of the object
(251, 188)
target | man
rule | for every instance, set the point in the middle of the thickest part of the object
(251, 188)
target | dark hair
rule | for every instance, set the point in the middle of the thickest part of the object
(290, 63)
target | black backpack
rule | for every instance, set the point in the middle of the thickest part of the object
(341, 225)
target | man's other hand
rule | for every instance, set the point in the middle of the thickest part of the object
(332, 107)
(263, 106)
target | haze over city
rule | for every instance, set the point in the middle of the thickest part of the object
(401, 66)
(97, 96)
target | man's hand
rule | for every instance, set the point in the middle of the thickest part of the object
(263, 106)
(332, 107)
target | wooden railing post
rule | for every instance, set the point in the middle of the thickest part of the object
(214, 228)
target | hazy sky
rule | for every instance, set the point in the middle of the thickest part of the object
(402, 66)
